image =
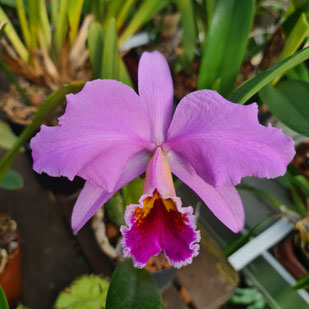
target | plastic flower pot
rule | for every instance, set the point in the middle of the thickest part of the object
(10, 277)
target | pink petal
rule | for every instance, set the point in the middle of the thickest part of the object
(155, 87)
(93, 197)
(224, 202)
(160, 223)
(104, 125)
(224, 141)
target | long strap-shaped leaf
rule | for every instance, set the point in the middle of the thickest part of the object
(3, 301)
(33, 7)
(95, 45)
(225, 44)
(245, 91)
(110, 52)
(13, 37)
(23, 22)
(302, 283)
(189, 28)
(288, 102)
(145, 12)
(74, 13)
(61, 26)
(48, 106)
(124, 13)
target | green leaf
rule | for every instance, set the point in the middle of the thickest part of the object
(13, 37)
(145, 12)
(33, 8)
(185, 8)
(95, 46)
(262, 194)
(302, 283)
(110, 61)
(298, 3)
(98, 9)
(7, 137)
(3, 301)
(44, 24)
(295, 39)
(23, 22)
(54, 8)
(248, 89)
(303, 184)
(2, 26)
(293, 15)
(123, 74)
(132, 288)
(62, 24)
(289, 103)
(11, 3)
(243, 239)
(11, 181)
(74, 13)
(124, 13)
(115, 208)
(113, 9)
(251, 297)
(289, 181)
(89, 291)
(210, 6)
(300, 72)
(133, 191)
(44, 111)
(225, 44)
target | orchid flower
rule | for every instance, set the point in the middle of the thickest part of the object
(109, 135)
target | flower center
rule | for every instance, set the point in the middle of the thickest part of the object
(155, 207)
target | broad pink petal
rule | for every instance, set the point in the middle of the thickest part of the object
(224, 202)
(224, 141)
(153, 227)
(104, 125)
(92, 197)
(155, 87)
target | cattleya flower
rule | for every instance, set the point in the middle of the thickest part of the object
(109, 135)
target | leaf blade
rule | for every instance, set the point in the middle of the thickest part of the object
(11, 181)
(132, 288)
(109, 68)
(245, 91)
(145, 12)
(286, 106)
(3, 301)
(95, 46)
(225, 44)
(189, 29)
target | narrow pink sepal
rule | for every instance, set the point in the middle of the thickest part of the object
(155, 87)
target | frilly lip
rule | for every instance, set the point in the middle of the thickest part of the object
(165, 243)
